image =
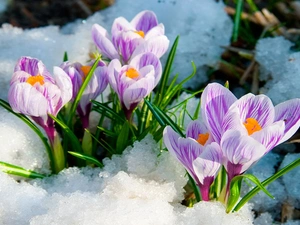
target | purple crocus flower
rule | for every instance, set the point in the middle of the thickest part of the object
(77, 72)
(142, 34)
(201, 157)
(134, 81)
(35, 93)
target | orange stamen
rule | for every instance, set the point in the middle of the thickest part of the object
(34, 79)
(132, 73)
(141, 33)
(202, 138)
(85, 70)
(252, 125)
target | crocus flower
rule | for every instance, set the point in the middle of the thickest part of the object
(201, 157)
(77, 72)
(142, 34)
(134, 81)
(257, 117)
(35, 93)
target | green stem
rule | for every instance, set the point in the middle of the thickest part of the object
(237, 20)
(195, 187)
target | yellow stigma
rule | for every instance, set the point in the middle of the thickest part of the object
(34, 79)
(132, 73)
(85, 70)
(252, 125)
(202, 138)
(141, 33)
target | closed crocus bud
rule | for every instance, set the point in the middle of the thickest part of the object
(128, 39)
(78, 72)
(35, 93)
(133, 82)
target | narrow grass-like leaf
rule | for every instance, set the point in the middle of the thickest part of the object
(195, 187)
(266, 182)
(237, 20)
(122, 140)
(19, 171)
(155, 114)
(235, 186)
(86, 158)
(25, 119)
(166, 73)
(66, 58)
(101, 107)
(80, 92)
(67, 131)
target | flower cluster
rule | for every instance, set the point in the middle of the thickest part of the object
(231, 132)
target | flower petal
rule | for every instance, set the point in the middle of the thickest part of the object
(137, 91)
(113, 71)
(121, 24)
(155, 31)
(195, 128)
(289, 112)
(146, 59)
(144, 21)
(208, 163)
(271, 135)
(258, 107)
(157, 45)
(171, 140)
(240, 149)
(215, 102)
(106, 47)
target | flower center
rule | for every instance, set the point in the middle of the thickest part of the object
(141, 33)
(132, 73)
(252, 125)
(202, 138)
(34, 79)
(85, 70)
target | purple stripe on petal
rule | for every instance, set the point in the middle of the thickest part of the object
(258, 107)
(121, 24)
(289, 112)
(106, 47)
(155, 31)
(157, 45)
(240, 149)
(28, 64)
(144, 21)
(270, 136)
(195, 128)
(215, 102)
(171, 140)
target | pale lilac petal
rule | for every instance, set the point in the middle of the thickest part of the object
(215, 102)
(240, 149)
(146, 59)
(127, 42)
(113, 71)
(146, 71)
(64, 83)
(19, 77)
(289, 112)
(138, 91)
(208, 163)
(157, 45)
(258, 107)
(170, 138)
(121, 24)
(155, 31)
(106, 47)
(270, 136)
(144, 21)
(24, 98)
(232, 121)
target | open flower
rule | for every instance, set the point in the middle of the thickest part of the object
(35, 93)
(142, 34)
(134, 81)
(201, 158)
(257, 117)
(78, 72)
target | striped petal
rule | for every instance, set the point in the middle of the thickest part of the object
(144, 21)
(289, 112)
(215, 102)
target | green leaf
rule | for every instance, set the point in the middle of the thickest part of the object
(235, 187)
(166, 73)
(80, 92)
(155, 114)
(237, 20)
(19, 171)
(101, 107)
(266, 182)
(25, 119)
(74, 140)
(65, 57)
(122, 140)
(86, 158)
